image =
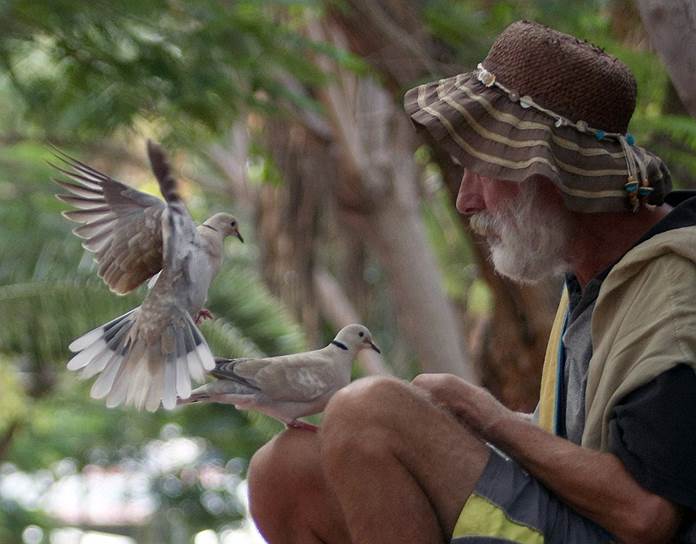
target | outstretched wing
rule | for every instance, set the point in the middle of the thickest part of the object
(120, 225)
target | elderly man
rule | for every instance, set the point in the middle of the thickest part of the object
(555, 184)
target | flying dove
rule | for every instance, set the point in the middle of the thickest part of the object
(287, 387)
(149, 354)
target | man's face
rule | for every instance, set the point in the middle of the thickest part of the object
(525, 224)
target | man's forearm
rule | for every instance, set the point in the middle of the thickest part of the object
(595, 484)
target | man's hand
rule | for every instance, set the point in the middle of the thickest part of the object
(579, 476)
(474, 405)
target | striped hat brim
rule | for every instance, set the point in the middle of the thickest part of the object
(495, 136)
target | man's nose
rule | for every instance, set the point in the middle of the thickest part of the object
(470, 196)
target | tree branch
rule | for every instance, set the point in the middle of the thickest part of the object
(672, 30)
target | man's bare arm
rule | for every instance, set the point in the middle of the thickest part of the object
(595, 484)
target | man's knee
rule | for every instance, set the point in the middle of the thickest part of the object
(368, 401)
(265, 471)
(288, 456)
(363, 420)
(280, 474)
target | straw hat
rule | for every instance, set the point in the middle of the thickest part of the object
(545, 103)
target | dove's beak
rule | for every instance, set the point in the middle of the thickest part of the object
(373, 346)
(239, 235)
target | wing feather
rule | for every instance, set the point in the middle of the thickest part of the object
(284, 378)
(120, 225)
(296, 381)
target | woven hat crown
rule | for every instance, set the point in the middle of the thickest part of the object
(564, 74)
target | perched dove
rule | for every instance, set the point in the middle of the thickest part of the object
(149, 354)
(289, 386)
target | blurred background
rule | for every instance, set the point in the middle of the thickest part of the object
(288, 114)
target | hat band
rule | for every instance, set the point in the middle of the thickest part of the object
(637, 186)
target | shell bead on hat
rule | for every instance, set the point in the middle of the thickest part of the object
(485, 77)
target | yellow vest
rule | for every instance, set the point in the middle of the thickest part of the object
(548, 396)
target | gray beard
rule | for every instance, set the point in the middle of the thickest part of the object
(528, 240)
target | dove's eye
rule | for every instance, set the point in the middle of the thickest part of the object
(361, 334)
(233, 224)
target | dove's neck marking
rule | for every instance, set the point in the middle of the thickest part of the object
(211, 228)
(340, 345)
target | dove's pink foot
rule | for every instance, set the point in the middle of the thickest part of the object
(299, 424)
(203, 315)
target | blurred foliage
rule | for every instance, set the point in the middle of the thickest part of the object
(14, 519)
(193, 64)
(13, 401)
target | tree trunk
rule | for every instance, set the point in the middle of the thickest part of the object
(377, 197)
(672, 30)
(288, 218)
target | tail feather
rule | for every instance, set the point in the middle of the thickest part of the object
(163, 172)
(170, 388)
(112, 337)
(103, 383)
(194, 398)
(224, 391)
(156, 393)
(97, 365)
(146, 387)
(132, 351)
(198, 354)
(84, 357)
(183, 381)
(130, 371)
(89, 338)
(195, 366)
(187, 351)
(204, 355)
(132, 377)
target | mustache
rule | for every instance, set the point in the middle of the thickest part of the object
(483, 223)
